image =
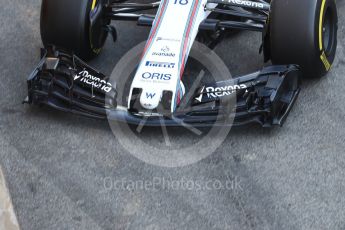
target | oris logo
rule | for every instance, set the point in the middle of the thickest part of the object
(156, 76)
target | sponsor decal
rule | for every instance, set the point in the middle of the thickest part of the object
(199, 99)
(219, 92)
(165, 49)
(165, 52)
(95, 82)
(167, 65)
(150, 95)
(167, 39)
(246, 3)
(156, 76)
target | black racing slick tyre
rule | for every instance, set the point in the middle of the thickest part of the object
(74, 25)
(304, 32)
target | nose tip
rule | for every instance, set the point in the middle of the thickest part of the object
(150, 100)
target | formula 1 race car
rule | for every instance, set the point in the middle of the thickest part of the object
(299, 38)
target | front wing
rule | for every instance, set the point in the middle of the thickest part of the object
(64, 82)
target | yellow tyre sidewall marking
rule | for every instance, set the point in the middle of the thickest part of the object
(93, 4)
(322, 12)
(96, 51)
(323, 56)
(325, 61)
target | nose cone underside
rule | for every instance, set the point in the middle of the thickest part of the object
(150, 99)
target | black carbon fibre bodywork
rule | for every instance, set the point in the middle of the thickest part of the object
(64, 82)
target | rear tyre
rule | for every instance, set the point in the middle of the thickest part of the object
(304, 33)
(76, 26)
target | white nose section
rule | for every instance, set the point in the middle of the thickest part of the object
(150, 99)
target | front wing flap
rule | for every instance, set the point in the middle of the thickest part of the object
(265, 97)
(64, 82)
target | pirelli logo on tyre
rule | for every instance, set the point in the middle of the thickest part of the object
(325, 61)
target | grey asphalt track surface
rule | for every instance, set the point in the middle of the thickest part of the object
(64, 171)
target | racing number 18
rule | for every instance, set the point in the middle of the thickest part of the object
(181, 2)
